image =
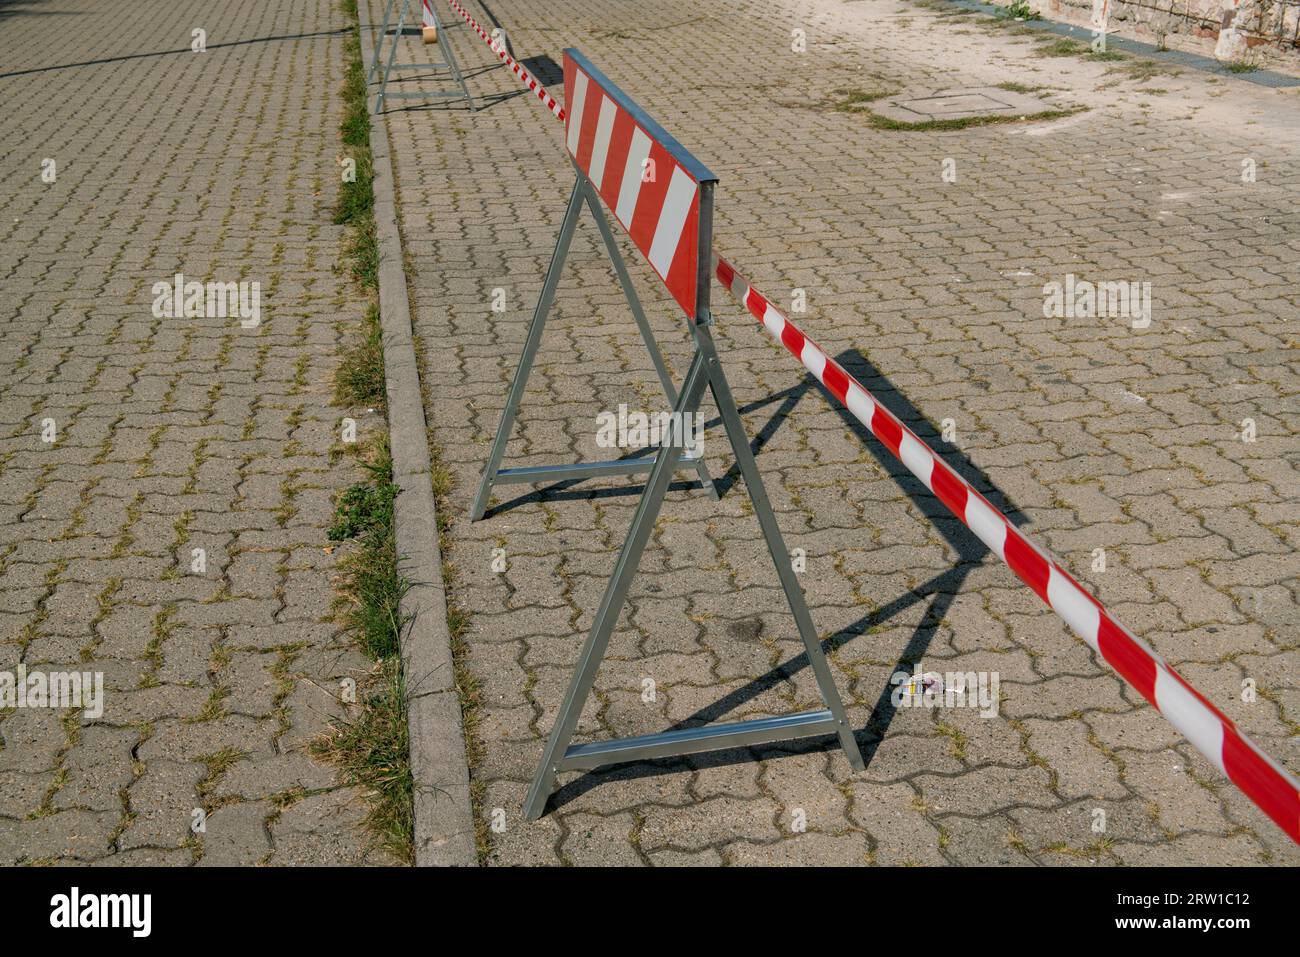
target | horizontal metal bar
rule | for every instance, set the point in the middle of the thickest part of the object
(713, 737)
(537, 474)
(417, 66)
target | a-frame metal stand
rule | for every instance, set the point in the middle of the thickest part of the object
(493, 474)
(449, 60)
(705, 370)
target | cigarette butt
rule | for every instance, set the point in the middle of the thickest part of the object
(430, 34)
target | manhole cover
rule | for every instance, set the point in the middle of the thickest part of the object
(915, 107)
(955, 103)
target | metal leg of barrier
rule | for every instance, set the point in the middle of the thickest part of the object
(452, 65)
(379, 42)
(634, 303)
(535, 328)
(448, 63)
(559, 755)
(593, 650)
(726, 404)
(493, 474)
(392, 55)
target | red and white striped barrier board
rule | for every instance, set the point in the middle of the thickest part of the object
(641, 173)
(1265, 782)
(524, 76)
(1270, 786)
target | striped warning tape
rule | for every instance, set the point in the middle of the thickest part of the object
(1265, 782)
(1270, 786)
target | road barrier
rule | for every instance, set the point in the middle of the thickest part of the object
(663, 197)
(431, 32)
(1265, 782)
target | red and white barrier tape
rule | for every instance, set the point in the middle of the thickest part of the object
(524, 76)
(1265, 782)
(1270, 786)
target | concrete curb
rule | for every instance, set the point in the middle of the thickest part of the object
(444, 820)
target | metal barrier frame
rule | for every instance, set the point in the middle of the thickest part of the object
(493, 474)
(449, 61)
(705, 371)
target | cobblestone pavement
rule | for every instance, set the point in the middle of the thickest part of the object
(1090, 434)
(173, 434)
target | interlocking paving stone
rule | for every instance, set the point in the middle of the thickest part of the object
(173, 433)
(1090, 434)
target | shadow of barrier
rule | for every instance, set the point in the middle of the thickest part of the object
(612, 144)
(938, 592)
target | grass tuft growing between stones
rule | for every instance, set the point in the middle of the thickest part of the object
(371, 584)
(966, 122)
(1063, 46)
(1017, 10)
(359, 379)
(356, 203)
(370, 746)
(1142, 69)
(373, 751)
(1011, 86)
(367, 507)
(853, 100)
